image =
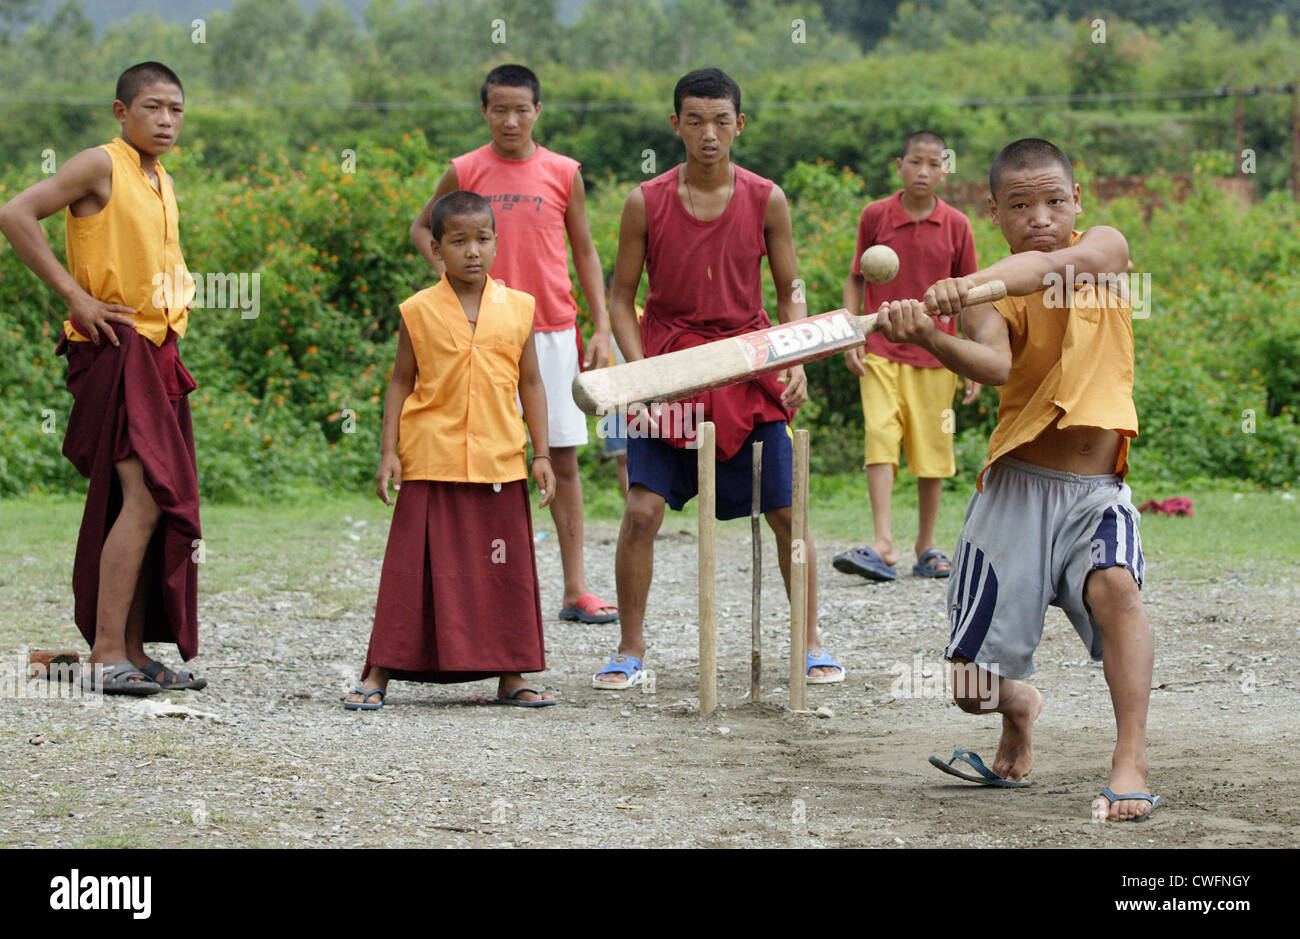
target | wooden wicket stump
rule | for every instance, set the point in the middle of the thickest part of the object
(799, 572)
(708, 499)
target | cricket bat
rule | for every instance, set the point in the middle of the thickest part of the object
(680, 374)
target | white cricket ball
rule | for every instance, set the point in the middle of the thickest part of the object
(879, 264)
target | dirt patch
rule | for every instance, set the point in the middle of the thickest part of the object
(281, 763)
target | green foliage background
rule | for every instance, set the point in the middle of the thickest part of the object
(276, 94)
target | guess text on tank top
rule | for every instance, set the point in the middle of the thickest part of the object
(510, 201)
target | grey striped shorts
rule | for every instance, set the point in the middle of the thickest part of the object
(1030, 540)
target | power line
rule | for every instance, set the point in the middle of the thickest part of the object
(584, 106)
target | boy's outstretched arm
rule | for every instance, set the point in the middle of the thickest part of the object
(587, 263)
(400, 387)
(779, 235)
(532, 395)
(88, 174)
(628, 264)
(421, 233)
(984, 355)
(1101, 253)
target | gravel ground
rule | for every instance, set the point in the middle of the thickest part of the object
(274, 760)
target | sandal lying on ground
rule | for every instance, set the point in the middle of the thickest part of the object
(117, 678)
(364, 704)
(170, 680)
(628, 665)
(512, 699)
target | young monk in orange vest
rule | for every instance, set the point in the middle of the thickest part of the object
(1052, 522)
(135, 577)
(458, 595)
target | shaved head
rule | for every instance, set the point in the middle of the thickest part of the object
(1029, 153)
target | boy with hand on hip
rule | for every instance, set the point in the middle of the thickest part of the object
(135, 577)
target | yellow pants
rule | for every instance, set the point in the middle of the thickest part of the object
(912, 406)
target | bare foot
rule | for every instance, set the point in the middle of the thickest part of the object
(512, 680)
(1129, 775)
(1015, 756)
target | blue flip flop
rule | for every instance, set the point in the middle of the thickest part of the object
(1156, 802)
(364, 704)
(820, 658)
(927, 565)
(620, 664)
(864, 562)
(986, 776)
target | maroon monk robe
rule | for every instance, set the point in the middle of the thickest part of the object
(131, 399)
(458, 594)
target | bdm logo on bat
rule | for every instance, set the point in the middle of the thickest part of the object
(795, 340)
(91, 892)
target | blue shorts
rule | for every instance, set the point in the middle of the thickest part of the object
(674, 473)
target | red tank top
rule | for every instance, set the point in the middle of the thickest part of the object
(529, 201)
(706, 283)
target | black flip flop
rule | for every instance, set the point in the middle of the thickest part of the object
(171, 680)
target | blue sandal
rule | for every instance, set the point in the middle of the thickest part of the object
(820, 658)
(986, 776)
(364, 704)
(1156, 802)
(864, 562)
(620, 664)
(927, 565)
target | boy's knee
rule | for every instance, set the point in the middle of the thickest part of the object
(780, 521)
(564, 460)
(1112, 590)
(137, 501)
(972, 687)
(643, 515)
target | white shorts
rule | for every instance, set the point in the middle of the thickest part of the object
(557, 357)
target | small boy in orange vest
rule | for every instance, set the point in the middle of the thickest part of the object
(458, 595)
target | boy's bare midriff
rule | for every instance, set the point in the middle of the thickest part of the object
(1088, 451)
